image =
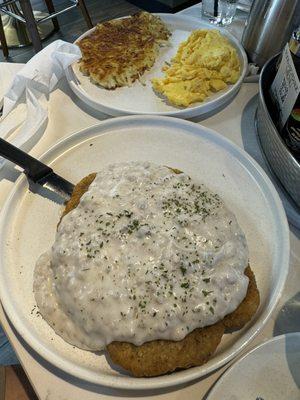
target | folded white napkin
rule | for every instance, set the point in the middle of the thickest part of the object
(25, 109)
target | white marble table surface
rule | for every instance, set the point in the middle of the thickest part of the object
(67, 115)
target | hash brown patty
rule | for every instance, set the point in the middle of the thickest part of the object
(118, 52)
(158, 357)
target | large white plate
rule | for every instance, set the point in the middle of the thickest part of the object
(140, 98)
(28, 225)
(270, 371)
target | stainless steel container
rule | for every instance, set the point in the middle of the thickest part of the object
(281, 160)
(269, 28)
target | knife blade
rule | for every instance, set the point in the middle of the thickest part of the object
(35, 170)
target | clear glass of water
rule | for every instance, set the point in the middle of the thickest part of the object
(219, 12)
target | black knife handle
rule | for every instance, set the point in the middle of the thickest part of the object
(34, 169)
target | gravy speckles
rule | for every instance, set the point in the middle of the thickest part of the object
(147, 254)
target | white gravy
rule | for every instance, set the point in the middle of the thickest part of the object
(147, 254)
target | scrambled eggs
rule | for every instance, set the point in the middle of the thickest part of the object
(206, 62)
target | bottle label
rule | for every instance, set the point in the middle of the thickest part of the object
(285, 87)
(293, 130)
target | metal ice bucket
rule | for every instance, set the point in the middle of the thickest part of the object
(283, 163)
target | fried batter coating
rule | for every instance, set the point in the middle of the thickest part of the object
(245, 311)
(79, 189)
(162, 356)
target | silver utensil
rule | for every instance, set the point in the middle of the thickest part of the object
(269, 27)
(35, 170)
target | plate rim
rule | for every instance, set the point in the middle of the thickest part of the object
(187, 112)
(176, 378)
(234, 365)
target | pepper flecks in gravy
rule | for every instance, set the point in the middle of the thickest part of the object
(147, 254)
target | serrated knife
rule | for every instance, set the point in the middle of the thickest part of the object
(35, 170)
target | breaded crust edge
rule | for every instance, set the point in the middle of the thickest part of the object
(162, 356)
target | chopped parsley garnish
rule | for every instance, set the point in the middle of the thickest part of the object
(206, 293)
(185, 285)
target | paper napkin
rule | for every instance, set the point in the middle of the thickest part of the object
(25, 104)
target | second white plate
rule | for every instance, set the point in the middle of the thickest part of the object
(271, 371)
(140, 97)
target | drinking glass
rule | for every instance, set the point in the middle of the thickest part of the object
(219, 12)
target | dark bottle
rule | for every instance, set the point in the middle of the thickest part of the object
(291, 130)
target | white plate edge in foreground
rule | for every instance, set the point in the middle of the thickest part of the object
(175, 378)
